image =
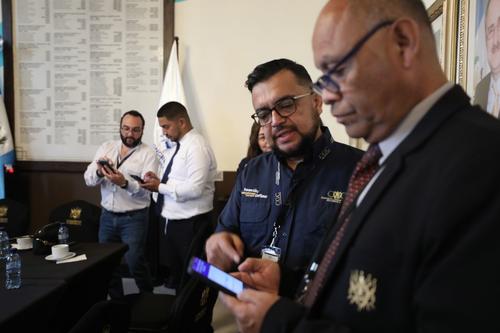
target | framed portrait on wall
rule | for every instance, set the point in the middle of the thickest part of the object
(479, 53)
(443, 17)
(436, 17)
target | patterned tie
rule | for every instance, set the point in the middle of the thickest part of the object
(160, 199)
(364, 171)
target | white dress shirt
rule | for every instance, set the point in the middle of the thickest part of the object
(140, 160)
(493, 106)
(190, 188)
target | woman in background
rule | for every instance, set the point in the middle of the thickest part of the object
(257, 145)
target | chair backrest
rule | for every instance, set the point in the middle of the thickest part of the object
(193, 307)
(196, 248)
(82, 219)
(190, 311)
(14, 217)
(104, 316)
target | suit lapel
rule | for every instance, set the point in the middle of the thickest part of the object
(445, 107)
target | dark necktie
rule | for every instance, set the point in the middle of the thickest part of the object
(364, 171)
(160, 199)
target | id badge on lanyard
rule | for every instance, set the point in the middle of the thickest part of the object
(272, 252)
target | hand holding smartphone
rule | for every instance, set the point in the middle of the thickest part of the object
(105, 164)
(139, 179)
(215, 277)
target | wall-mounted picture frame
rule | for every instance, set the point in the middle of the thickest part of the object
(443, 15)
(478, 68)
(40, 136)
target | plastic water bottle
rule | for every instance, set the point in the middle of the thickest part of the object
(13, 270)
(4, 244)
(63, 234)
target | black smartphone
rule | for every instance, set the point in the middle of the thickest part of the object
(215, 277)
(139, 179)
(105, 164)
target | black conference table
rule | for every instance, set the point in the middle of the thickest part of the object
(54, 296)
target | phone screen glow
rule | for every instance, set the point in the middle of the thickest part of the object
(213, 273)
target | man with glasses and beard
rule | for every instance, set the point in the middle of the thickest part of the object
(283, 203)
(125, 204)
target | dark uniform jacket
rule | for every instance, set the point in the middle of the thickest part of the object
(263, 189)
(421, 253)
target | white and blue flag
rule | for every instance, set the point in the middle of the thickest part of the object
(172, 90)
(7, 155)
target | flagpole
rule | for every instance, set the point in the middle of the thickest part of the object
(176, 39)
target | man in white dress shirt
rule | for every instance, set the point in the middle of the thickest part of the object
(186, 187)
(125, 204)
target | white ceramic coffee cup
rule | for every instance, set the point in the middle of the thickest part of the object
(60, 250)
(24, 242)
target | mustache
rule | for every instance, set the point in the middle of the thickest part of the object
(495, 47)
(276, 130)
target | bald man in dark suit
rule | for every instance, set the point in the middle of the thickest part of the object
(416, 249)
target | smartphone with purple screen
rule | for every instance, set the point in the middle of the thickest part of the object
(215, 277)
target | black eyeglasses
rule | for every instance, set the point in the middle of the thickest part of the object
(326, 81)
(135, 130)
(284, 107)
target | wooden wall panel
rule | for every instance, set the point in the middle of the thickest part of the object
(43, 190)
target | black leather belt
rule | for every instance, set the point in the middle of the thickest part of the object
(129, 212)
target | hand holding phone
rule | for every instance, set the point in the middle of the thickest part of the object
(215, 277)
(105, 164)
(139, 179)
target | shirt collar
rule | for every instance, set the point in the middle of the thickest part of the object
(319, 146)
(493, 92)
(186, 137)
(388, 145)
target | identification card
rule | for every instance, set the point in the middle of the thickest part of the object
(272, 253)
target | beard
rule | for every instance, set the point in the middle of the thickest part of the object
(130, 142)
(304, 147)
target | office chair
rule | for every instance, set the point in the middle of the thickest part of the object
(14, 217)
(190, 311)
(82, 219)
(104, 316)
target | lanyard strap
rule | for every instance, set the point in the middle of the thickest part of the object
(292, 195)
(119, 163)
(290, 199)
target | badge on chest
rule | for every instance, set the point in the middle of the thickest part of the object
(272, 253)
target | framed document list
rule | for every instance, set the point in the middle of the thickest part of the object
(78, 66)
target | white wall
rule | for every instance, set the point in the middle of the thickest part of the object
(220, 42)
